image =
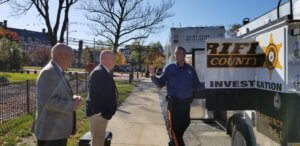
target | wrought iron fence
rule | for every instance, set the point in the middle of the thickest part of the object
(16, 99)
(19, 98)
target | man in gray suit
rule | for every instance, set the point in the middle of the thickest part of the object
(55, 100)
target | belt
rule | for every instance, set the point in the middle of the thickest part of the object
(179, 100)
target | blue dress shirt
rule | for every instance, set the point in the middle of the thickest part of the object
(180, 81)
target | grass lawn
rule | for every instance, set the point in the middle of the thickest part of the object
(32, 67)
(21, 127)
(14, 77)
(76, 69)
(39, 68)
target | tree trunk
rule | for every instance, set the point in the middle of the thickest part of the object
(53, 40)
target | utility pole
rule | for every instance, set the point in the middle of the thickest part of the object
(80, 52)
(67, 33)
(94, 52)
(140, 59)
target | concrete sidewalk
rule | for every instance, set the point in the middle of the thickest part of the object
(139, 120)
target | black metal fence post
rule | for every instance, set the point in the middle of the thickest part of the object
(27, 97)
(76, 79)
(86, 81)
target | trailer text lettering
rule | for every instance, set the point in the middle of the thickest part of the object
(213, 48)
(235, 61)
(229, 55)
(230, 84)
(246, 84)
(269, 86)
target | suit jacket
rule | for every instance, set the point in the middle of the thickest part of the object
(102, 97)
(54, 115)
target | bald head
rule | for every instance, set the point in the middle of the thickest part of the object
(107, 58)
(62, 55)
(59, 49)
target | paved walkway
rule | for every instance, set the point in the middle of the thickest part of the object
(139, 120)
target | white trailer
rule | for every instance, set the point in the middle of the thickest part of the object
(193, 38)
(255, 79)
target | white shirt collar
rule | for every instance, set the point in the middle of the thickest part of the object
(58, 66)
(105, 68)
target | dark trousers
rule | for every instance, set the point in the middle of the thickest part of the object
(60, 142)
(179, 121)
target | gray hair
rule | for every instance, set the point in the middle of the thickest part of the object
(60, 48)
(104, 53)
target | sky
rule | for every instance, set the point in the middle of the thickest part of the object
(187, 13)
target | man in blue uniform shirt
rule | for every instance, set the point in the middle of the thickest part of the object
(181, 80)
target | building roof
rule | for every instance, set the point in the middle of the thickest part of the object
(28, 36)
(42, 37)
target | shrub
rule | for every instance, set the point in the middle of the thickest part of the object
(3, 79)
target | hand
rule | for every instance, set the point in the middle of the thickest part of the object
(76, 102)
(151, 71)
(77, 97)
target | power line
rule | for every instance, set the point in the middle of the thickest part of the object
(71, 22)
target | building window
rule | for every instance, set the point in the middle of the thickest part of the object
(29, 39)
(29, 48)
(21, 38)
(25, 48)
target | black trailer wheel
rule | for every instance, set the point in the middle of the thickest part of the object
(237, 138)
(242, 133)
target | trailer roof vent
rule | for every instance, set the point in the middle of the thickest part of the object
(246, 21)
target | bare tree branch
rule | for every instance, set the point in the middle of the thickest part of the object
(69, 4)
(58, 14)
(105, 36)
(103, 24)
(134, 38)
(20, 7)
(126, 20)
(3, 1)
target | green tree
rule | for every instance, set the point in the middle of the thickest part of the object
(232, 31)
(120, 59)
(154, 55)
(15, 59)
(25, 59)
(5, 48)
(137, 54)
(10, 56)
(86, 56)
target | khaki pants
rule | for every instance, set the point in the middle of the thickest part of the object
(98, 127)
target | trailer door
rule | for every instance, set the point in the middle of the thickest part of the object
(198, 110)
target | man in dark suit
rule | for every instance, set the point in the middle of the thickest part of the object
(55, 101)
(102, 100)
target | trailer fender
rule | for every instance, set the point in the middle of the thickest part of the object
(239, 125)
